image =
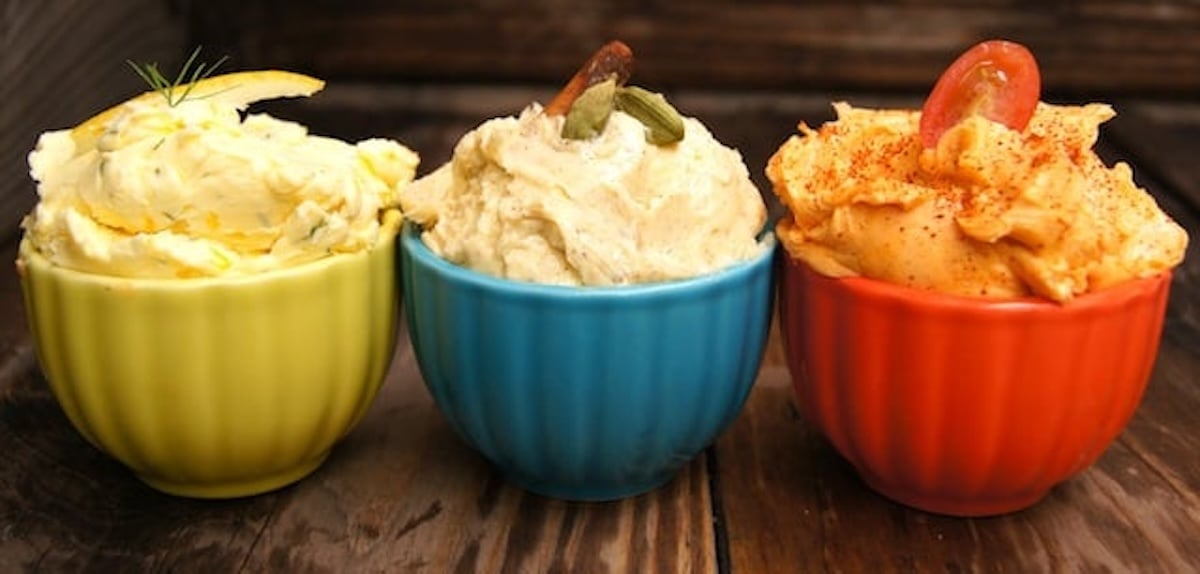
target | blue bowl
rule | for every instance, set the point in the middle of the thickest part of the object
(586, 393)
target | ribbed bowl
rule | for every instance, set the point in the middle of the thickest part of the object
(586, 393)
(217, 388)
(967, 406)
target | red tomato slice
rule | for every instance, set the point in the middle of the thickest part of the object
(997, 79)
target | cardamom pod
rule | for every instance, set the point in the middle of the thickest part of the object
(612, 59)
(589, 113)
(664, 125)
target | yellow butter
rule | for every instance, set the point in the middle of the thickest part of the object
(196, 189)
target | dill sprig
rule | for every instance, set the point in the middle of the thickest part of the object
(191, 72)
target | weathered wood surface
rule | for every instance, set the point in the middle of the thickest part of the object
(403, 493)
(1098, 47)
(400, 494)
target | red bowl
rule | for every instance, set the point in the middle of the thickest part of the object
(967, 406)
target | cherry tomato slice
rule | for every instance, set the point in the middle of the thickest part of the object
(997, 79)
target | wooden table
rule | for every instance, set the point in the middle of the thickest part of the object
(403, 493)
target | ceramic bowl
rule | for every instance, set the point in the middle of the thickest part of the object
(967, 406)
(586, 393)
(217, 387)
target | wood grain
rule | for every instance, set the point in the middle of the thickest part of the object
(61, 62)
(789, 499)
(415, 497)
(14, 337)
(1107, 47)
(401, 494)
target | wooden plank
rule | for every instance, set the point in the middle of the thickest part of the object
(13, 329)
(401, 493)
(1106, 47)
(64, 60)
(789, 499)
(411, 494)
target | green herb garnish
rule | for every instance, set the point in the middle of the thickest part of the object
(177, 90)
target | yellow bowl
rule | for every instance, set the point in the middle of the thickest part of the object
(217, 387)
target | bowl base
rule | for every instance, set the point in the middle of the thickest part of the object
(241, 487)
(964, 507)
(584, 492)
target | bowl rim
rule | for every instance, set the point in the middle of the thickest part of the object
(414, 247)
(1112, 296)
(29, 259)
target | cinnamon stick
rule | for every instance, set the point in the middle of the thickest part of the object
(612, 59)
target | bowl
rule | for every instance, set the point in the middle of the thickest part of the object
(586, 393)
(965, 406)
(217, 387)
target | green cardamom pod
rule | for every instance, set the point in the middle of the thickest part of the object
(590, 112)
(664, 125)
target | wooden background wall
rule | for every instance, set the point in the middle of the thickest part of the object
(65, 59)
(1110, 46)
(60, 62)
